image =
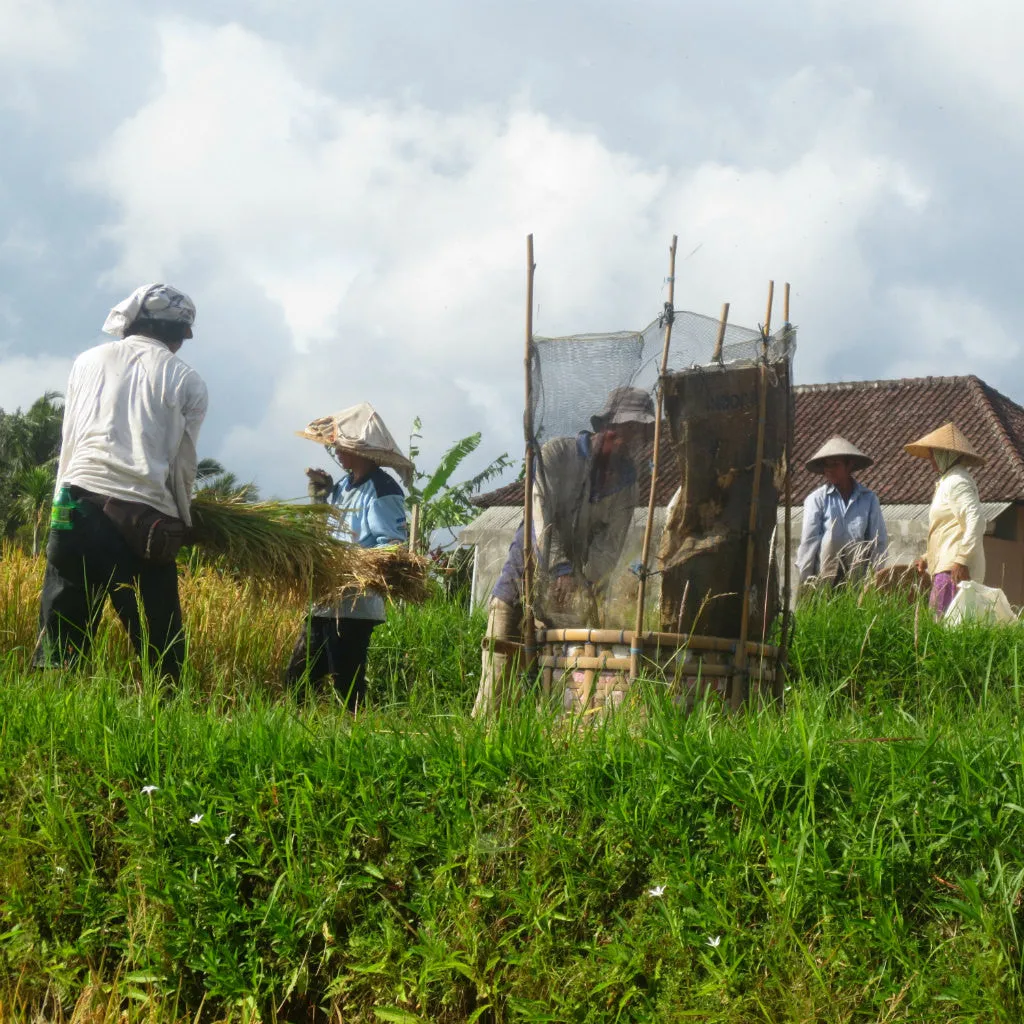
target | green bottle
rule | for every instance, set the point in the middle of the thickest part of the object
(60, 512)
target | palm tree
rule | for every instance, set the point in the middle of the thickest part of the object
(27, 440)
(213, 478)
(34, 495)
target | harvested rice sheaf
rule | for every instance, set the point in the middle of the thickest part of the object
(293, 547)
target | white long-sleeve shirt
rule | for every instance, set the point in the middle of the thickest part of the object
(956, 527)
(132, 415)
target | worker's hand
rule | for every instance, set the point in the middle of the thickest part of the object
(921, 565)
(562, 590)
(320, 483)
(959, 573)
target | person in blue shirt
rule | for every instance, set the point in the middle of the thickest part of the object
(843, 530)
(335, 639)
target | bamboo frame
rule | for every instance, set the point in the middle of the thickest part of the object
(529, 642)
(716, 356)
(414, 528)
(694, 641)
(740, 686)
(637, 645)
(787, 532)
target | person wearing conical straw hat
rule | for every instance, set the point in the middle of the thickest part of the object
(335, 638)
(956, 526)
(843, 530)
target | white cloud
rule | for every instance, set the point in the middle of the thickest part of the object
(36, 32)
(391, 237)
(24, 378)
(952, 333)
(955, 47)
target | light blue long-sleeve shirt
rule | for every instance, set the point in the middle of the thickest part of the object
(372, 516)
(856, 527)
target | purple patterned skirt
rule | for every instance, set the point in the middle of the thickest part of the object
(943, 592)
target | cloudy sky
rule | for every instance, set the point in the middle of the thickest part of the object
(345, 191)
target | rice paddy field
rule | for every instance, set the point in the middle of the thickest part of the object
(236, 852)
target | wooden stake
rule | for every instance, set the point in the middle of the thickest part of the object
(636, 648)
(414, 528)
(716, 356)
(529, 633)
(787, 574)
(740, 683)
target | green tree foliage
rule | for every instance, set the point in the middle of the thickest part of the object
(29, 447)
(213, 478)
(444, 505)
(34, 497)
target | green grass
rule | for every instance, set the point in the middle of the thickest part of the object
(857, 856)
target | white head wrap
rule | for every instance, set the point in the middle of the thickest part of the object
(154, 302)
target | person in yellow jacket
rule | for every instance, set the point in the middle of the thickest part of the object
(956, 525)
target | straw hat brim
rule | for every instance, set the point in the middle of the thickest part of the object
(837, 447)
(856, 462)
(380, 457)
(924, 451)
(947, 438)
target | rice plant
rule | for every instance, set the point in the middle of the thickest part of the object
(235, 852)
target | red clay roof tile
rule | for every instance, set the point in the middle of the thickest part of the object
(880, 417)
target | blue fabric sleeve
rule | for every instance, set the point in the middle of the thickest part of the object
(812, 533)
(385, 521)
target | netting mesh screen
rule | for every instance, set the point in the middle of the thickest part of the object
(572, 376)
(592, 419)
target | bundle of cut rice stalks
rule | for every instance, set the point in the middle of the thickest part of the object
(293, 548)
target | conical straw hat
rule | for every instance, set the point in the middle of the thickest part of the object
(949, 438)
(838, 448)
(359, 429)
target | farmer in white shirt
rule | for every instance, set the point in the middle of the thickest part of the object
(956, 526)
(843, 530)
(132, 415)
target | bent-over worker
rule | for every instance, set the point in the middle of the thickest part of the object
(586, 491)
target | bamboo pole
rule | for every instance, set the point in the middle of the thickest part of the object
(636, 647)
(529, 634)
(787, 533)
(716, 356)
(740, 682)
(414, 528)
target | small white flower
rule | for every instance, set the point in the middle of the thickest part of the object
(146, 790)
(229, 837)
(61, 870)
(658, 890)
(714, 941)
(195, 819)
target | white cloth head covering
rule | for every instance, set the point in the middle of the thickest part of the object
(153, 302)
(359, 429)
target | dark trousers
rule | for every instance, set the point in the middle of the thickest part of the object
(335, 649)
(89, 563)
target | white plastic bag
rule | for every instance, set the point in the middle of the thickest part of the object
(975, 601)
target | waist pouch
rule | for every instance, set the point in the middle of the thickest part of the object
(152, 535)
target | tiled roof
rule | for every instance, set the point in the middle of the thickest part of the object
(880, 417)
